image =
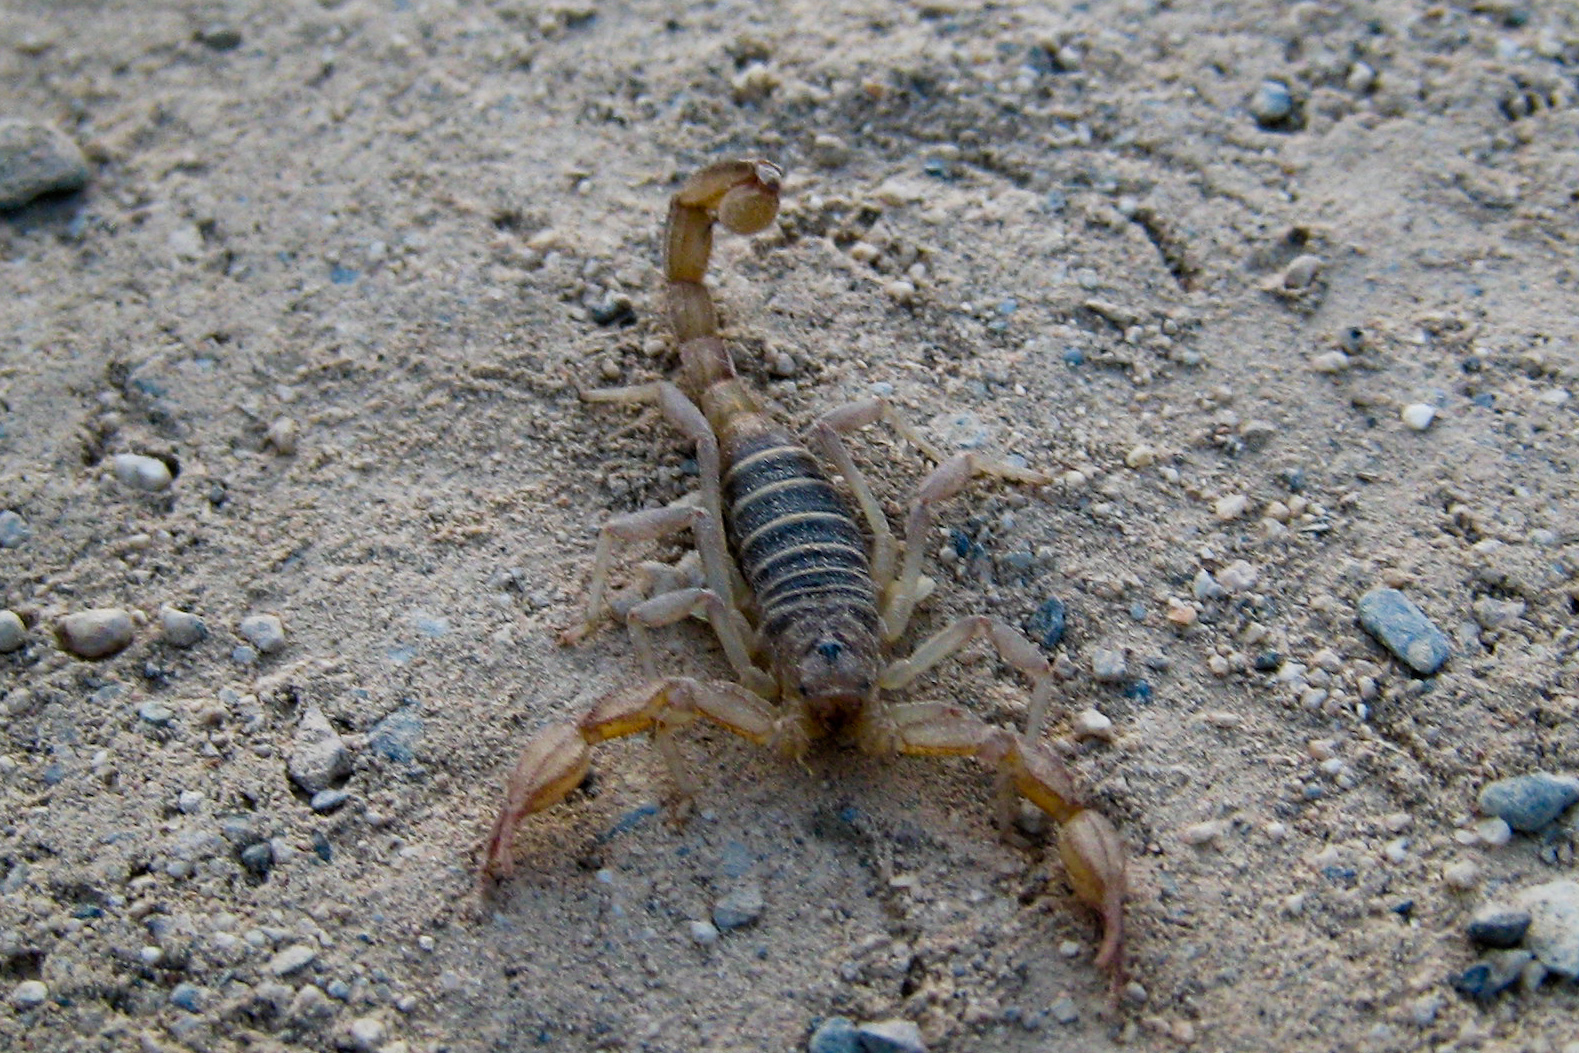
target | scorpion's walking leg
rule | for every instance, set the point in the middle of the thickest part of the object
(556, 759)
(1011, 645)
(948, 479)
(683, 603)
(1092, 854)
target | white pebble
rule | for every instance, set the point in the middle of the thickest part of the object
(1091, 724)
(1230, 507)
(1494, 831)
(141, 473)
(704, 933)
(1330, 362)
(1204, 833)
(366, 1033)
(282, 435)
(1396, 850)
(1463, 875)
(1418, 415)
(1238, 576)
(265, 632)
(1141, 456)
(181, 628)
(29, 993)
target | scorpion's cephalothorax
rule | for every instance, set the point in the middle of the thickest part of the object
(805, 560)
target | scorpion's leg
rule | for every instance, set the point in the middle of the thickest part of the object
(948, 479)
(1011, 645)
(1092, 853)
(683, 603)
(556, 759)
(650, 525)
(828, 433)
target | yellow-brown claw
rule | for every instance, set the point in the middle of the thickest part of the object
(1094, 860)
(553, 763)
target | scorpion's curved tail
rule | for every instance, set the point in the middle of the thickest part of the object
(744, 197)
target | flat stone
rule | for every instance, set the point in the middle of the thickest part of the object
(1529, 802)
(292, 959)
(1404, 630)
(13, 634)
(96, 633)
(890, 1036)
(834, 1035)
(319, 757)
(1554, 925)
(36, 159)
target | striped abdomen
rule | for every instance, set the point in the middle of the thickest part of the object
(793, 534)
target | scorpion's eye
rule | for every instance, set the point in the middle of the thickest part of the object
(830, 650)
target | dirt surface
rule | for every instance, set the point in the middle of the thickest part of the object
(1082, 234)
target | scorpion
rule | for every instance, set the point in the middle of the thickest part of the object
(805, 612)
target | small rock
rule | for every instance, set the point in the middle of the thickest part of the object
(1498, 925)
(1301, 272)
(36, 159)
(1417, 416)
(1529, 802)
(834, 1035)
(29, 994)
(1230, 507)
(741, 906)
(258, 858)
(318, 755)
(1361, 78)
(13, 529)
(292, 959)
(1272, 104)
(1141, 456)
(148, 474)
(1238, 576)
(1107, 665)
(1091, 724)
(704, 933)
(264, 632)
(890, 1036)
(1554, 925)
(1204, 833)
(13, 634)
(366, 1033)
(96, 633)
(1047, 625)
(395, 737)
(282, 435)
(181, 628)
(1490, 976)
(1494, 832)
(328, 800)
(1065, 1011)
(156, 713)
(188, 996)
(1404, 629)
(1461, 876)
(1330, 362)
(219, 37)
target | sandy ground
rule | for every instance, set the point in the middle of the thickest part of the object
(1057, 232)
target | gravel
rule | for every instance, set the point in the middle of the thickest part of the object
(264, 632)
(292, 959)
(28, 994)
(1529, 802)
(36, 159)
(148, 474)
(13, 634)
(319, 756)
(181, 628)
(1404, 630)
(96, 633)
(13, 529)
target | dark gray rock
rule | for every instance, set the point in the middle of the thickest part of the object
(834, 1035)
(1492, 975)
(1404, 629)
(1498, 925)
(1529, 802)
(890, 1036)
(36, 159)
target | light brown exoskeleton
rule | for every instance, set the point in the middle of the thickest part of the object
(805, 615)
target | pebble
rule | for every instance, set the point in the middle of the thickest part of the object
(282, 435)
(1107, 665)
(96, 633)
(292, 959)
(395, 737)
(1529, 802)
(1404, 629)
(1494, 832)
(1272, 104)
(148, 474)
(366, 1033)
(1064, 1011)
(13, 529)
(181, 628)
(156, 713)
(1498, 925)
(834, 1035)
(328, 800)
(36, 159)
(739, 907)
(704, 933)
(1361, 78)
(1330, 362)
(1091, 724)
(1204, 833)
(264, 632)
(13, 634)
(258, 858)
(1230, 507)
(318, 755)
(188, 996)
(1301, 272)
(1463, 875)
(890, 1036)
(1141, 456)
(1047, 625)
(1417, 416)
(1238, 576)
(1493, 974)
(29, 993)
(1553, 934)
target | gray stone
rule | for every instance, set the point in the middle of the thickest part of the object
(1107, 665)
(1529, 802)
(13, 634)
(890, 1036)
(181, 628)
(156, 713)
(36, 159)
(741, 906)
(96, 633)
(1554, 925)
(148, 474)
(328, 800)
(1492, 975)
(292, 959)
(1272, 104)
(1498, 925)
(319, 756)
(265, 632)
(834, 1035)
(1404, 629)
(13, 529)
(28, 994)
